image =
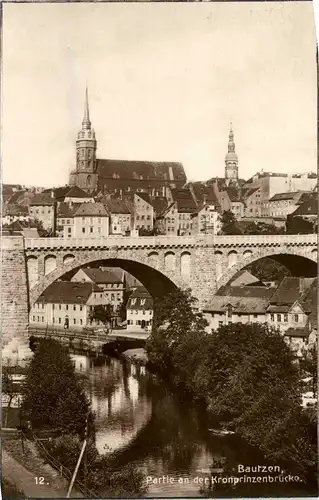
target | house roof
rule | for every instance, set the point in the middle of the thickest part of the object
(308, 207)
(67, 210)
(159, 204)
(144, 174)
(248, 305)
(76, 192)
(244, 278)
(144, 196)
(59, 193)
(291, 289)
(14, 209)
(247, 291)
(115, 206)
(91, 210)
(286, 196)
(140, 299)
(102, 276)
(42, 199)
(296, 332)
(31, 232)
(68, 292)
(184, 200)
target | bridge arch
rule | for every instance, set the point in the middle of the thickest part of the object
(157, 281)
(298, 265)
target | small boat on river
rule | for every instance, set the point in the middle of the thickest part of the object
(221, 432)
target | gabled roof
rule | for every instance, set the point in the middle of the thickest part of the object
(66, 209)
(14, 209)
(91, 210)
(68, 292)
(159, 204)
(184, 199)
(308, 207)
(100, 276)
(144, 196)
(59, 193)
(42, 199)
(140, 299)
(290, 290)
(247, 305)
(115, 206)
(31, 232)
(76, 192)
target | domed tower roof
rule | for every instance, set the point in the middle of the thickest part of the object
(231, 155)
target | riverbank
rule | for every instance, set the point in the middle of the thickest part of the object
(23, 469)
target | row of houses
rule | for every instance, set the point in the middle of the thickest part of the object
(290, 307)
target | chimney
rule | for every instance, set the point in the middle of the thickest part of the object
(205, 198)
(52, 193)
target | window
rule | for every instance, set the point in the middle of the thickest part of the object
(42, 319)
(148, 217)
(66, 307)
(272, 317)
(33, 318)
(278, 317)
(112, 296)
(68, 221)
(143, 312)
(74, 321)
(59, 307)
(99, 220)
(91, 229)
(83, 219)
(59, 320)
(81, 322)
(255, 315)
(42, 306)
(286, 318)
(53, 319)
(296, 318)
(81, 307)
(69, 230)
(74, 307)
(83, 229)
(53, 306)
(220, 323)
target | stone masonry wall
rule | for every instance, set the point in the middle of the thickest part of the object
(14, 291)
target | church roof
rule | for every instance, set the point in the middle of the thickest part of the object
(91, 210)
(145, 174)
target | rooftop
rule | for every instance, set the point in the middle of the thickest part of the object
(76, 192)
(91, 210)
(68, 292)
(104, 276)
(248, 305)
(291, 289)
(42, 199)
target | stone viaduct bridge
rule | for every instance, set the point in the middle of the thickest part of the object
(203, 263)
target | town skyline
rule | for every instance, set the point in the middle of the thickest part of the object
(155, 96)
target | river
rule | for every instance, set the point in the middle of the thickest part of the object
(165, 435)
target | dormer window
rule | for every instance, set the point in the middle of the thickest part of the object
(133, 302)
(143, 302)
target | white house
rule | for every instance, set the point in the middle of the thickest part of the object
(139, 310)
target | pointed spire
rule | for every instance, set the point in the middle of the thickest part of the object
(86, 124)
(231, 144)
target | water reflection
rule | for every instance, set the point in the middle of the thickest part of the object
(166, 436)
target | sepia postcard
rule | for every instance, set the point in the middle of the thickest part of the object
(159, 250)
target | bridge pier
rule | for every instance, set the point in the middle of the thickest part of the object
(14, 301)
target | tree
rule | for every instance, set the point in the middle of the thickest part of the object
(298, 225)
(309, 365)
(102, 314)
(52, 394)
(9, 388)
(229, 223)
(267, 269)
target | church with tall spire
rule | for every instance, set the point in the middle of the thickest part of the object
(231, 160)
(85, 175)
(113, 176)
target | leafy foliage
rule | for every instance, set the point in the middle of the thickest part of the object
(309, 365)
(246, 374)
(268, 270)
(298, 225)
(101, 313)
(53, 396)
(229, 223)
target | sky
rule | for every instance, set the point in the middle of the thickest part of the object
(165, 81)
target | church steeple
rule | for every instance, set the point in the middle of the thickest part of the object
(231, 159)
(86, 150)
(86, 124)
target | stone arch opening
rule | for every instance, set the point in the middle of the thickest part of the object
(49, 264)
(297, 265)
(232, 258)
(32, 270)
(68, 258)
(185, 265)
(152, 279)
(170, 261)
